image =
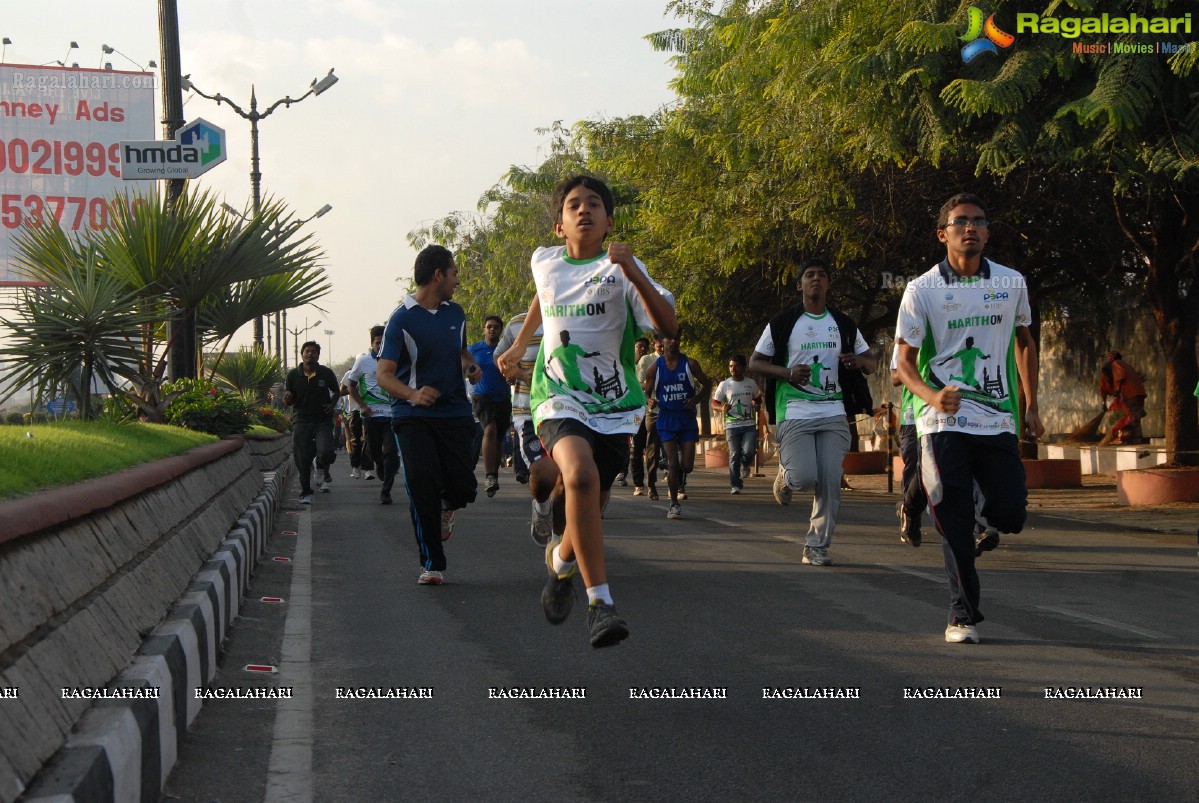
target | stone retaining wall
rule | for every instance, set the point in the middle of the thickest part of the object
(87, 573)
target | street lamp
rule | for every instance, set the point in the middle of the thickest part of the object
(295, 335)
(329, 357)
(253, 115)
(106, 50)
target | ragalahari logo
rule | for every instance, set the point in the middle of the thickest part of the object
(988, 30)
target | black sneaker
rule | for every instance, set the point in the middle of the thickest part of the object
(605, 625)
(909, 531)
(558, 596)
(491, 484)
(384, 499)
(985, 541)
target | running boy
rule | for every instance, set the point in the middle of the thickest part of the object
(587, 401)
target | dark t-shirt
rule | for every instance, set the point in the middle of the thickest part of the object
(312, 393)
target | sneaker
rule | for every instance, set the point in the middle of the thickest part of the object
(745, 472)
(355, 474)
(734, 490)
(491, 484)
(621, 480)
(558, 596)
(605, 625)
(328, 477)
(683, 494)
(986, 541)
(956, 633)
(542, 527)
(638, 491)
(522, 478)
(447, 524)
(782, 492)
(909, 531)
(305, 499)
(817, 556)
(430, 578)
(845, 486)
(384, 499)
(370, 475)
(675, 511)
(653, 494)
(326, 486)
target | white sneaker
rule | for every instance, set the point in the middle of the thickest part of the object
(817, 556)
(430, 578)
(355, 474)
(447, 524)
(675, 511)
(782, 492)
(542, 526)
(306, 499)
(957, 634)
(325, 487)
(370, 475)
(734, 490)
(620, 479)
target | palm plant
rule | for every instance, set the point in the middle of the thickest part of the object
(83, 325)
(247, 372)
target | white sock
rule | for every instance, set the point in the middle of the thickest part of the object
(599, 593)
(561, 567)
(544, 508)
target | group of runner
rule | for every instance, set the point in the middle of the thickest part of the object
(582, 388)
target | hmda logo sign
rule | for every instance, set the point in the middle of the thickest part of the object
(199, 146)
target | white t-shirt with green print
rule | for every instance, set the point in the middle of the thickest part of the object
(816, 342)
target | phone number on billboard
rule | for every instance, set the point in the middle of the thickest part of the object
(44, 157)
(70, 211)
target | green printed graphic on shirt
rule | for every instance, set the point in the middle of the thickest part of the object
(815, 341)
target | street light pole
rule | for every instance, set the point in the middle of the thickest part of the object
(329, 358)
(295, 337)
(253, 115)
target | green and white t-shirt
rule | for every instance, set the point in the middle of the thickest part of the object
(965, 330)
(364, 373)
(907, 414)
(591, 317)
(816, 342)
(520, 388)
(739, 396)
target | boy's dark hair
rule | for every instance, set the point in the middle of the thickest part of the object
(960, 198)
(590, 182)
(376, 331)
(812, 262)
(739, 359)
(311, 343)
(645, 340)
(431, 259)
(495, 318)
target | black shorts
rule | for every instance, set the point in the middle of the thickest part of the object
(487, 409)
(611, 452)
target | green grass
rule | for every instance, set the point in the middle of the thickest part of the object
(39, 456)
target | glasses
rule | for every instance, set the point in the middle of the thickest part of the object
(963, 222)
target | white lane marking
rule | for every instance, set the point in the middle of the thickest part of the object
(727, 523)
(1099, 620)
(915, 573)
(289, 774)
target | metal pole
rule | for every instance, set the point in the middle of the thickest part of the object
(256, 191)
(181, 361)
(889, 407)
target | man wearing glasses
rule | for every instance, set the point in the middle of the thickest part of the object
(968, 447)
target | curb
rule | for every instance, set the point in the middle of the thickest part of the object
(124, 750)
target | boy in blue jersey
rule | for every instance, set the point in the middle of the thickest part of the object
(677, 384)
(968, 448)
(421, 367)
(491, 401)
(593, 303)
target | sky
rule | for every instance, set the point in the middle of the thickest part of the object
(436, 100)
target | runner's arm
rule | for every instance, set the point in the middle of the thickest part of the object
(509, 361)
(1028, 367)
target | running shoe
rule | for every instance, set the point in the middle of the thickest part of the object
(326, 486)
(675, 511)
(384, 499)
(985, 541)
(542, 527)
(638, 491)
(957, 633)
(782, 492)
(605, 625)
(817, 556)
(620, 480)
(447, 524)
(370, 475)
(305, 499)
(734, 490)
(745, 472)
(683, 494)
(522, 477)
(430, 578)
(909, 531)
(653, 494)
(558, 596)
(491, 484)
(355, 474)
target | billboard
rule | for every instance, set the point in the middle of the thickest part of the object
(60, 152)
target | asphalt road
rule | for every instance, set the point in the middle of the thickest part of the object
(716, 601)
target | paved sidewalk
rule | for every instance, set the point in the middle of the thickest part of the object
(1094, 502)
